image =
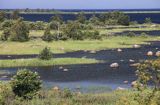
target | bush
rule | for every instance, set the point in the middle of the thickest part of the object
(6, 94)
(92, 35)
(47, 35)
(19, 31)
(5, 35)
(66, 93)
(131, 34)
(7, 24)
(144, 35)
(45, 54)
(26, 84)
(148, 20)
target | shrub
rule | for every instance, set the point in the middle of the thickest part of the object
(92, 35)
(148, 20)
(144, 35)
(6, 94)
(19, 31)
(45, 54)
(66, 93)
(26, 84)
(7, 24)
(6, 34)
(47, 35)
(131, 34)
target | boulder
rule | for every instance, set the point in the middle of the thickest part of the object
(136, 46)
(158, 53)
(61, 67)
(131, 60)
(134, 84)
(114, 65)
(92, 51)
(125, 82)
(62, 48)
(65, 69)
(135, 64)
(120, 88)
(119, 50)
(149, 53)
(56, 88)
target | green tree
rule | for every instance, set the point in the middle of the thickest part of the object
(72, 30)
(19, 31)
(2, 16)
(46, 54)
(6, 34)
(81, 17)
(47, 35)
(94, 20)
(26, 83)
(7, 24)
(14, 15)
(148, 20)
(57, 18)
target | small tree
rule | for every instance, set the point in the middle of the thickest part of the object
(81, 18)
(148, 20)
(2, 16)
(15, 15)
(26, 84)
(45, 54)
(6, 34)
(19, 31)
(47, 35)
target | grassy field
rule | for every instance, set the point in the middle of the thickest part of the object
(35, 46)
(37, 62)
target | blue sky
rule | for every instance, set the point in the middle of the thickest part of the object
(80, 4)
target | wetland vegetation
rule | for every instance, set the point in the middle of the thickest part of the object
(89, 40)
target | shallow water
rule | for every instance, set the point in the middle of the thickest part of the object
(85, 76)
(139, 17)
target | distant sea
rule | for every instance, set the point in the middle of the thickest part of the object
(105, 10)
(137, 14)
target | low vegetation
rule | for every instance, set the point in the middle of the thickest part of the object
(35, 46)
(51, 62)
(141, 94)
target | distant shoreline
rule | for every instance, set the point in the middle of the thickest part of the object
(85, 12)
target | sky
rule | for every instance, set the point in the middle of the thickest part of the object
(80, 4)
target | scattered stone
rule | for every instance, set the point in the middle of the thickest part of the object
(65, 70)
(135, 64)
(149, 53)
(125, 82)
(8, 56)
(78, 93)
(131, 60)
(119, 50)
(83, 57)
(4, 76)
(61, 67)
(114, 65)
(122, 60)
(56, 88)
(62, 48)
(92, 51)
(136, 46)
(135, 84)
(158, 53)
(120, 88)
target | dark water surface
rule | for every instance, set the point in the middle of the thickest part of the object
(139, 17)
(91, 75)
